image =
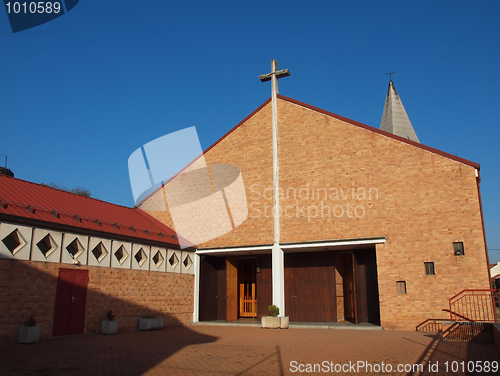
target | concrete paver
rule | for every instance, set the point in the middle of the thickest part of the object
(242, 350)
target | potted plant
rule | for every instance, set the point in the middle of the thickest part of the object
(29, 333)
(150, 323)
(272, 321)
(110, 325)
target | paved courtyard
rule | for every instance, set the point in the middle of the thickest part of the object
(240, 350)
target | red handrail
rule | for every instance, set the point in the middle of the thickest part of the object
(474, 305)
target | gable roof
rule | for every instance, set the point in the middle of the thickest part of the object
(327, 113)
(39, 205)
(380, 131)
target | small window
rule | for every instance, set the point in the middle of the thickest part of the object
(429, 268)
(458, 248)
(401, 287)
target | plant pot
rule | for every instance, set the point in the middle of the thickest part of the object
(109, 327)
(285, 322)
(28, 334)
(150, 323)
(270, 322)
(263, 322)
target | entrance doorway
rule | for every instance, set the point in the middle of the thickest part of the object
(71, 296)
(360, 285)
(247, 278)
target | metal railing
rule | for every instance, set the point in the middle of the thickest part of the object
(474, 305)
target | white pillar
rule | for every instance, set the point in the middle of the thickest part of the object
(278, 277)
(196, 308)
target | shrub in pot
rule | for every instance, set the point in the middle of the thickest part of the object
(272, 321)
(29, 333)
(110, 325)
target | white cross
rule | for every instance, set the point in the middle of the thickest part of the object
(273, 77)
(278, 262)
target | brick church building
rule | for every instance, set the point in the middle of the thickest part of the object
(374, 227)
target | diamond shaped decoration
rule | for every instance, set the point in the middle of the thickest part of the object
(47, 245)
(100, 252)
(140, 257)
(75, 249)
(187, 262)
(173, 261)
(158, 259)
(14, 241)
(121, 254)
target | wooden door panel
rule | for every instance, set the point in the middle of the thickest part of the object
(264, 285)
(231, 289)
(310, 287)
(208, 290)
(346, 270)
(290, 287)
(367, 286)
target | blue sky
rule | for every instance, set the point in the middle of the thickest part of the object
(79, 94)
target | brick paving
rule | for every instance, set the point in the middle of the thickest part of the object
(237, 350)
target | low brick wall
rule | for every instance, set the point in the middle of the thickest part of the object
(30, 287)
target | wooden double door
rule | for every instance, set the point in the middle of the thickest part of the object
(310, 287)
(233, 288)
(313, 293)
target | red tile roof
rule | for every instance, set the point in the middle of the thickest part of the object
(27, 202)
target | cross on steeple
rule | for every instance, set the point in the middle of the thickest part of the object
(390, 74)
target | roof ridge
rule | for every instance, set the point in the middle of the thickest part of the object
(384, 133)
(324, 112)
(206, 150)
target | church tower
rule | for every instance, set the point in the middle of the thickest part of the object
(394, 119)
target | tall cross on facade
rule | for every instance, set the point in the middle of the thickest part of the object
(278, 261)
(390, 74)
(273, 77)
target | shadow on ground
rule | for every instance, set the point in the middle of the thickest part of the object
(32, 287)
(473, 357)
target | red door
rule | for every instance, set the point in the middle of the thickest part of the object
(69, 314)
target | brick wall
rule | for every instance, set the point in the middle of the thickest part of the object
(341, 181)
(30, 287)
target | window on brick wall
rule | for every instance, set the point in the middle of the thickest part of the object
(458, 249)
(401, 287)
(429, 268)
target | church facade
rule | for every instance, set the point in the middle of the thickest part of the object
(374, 227)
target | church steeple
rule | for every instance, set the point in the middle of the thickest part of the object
(394, 119)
